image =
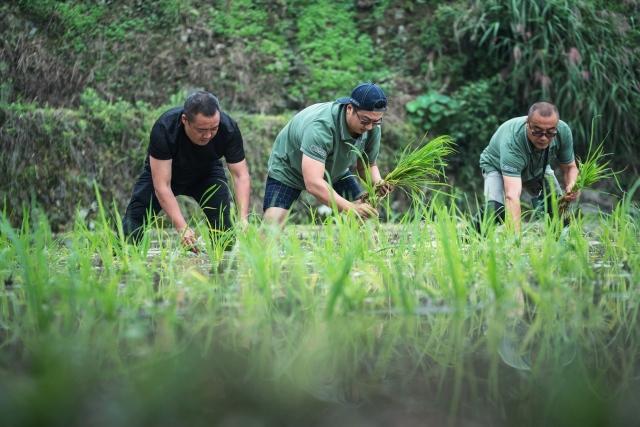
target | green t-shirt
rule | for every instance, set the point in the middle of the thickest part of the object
(510, 152)
(320, 132)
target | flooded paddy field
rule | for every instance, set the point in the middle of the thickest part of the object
(346, 323)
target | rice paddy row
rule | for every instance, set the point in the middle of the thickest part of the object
(347, 322)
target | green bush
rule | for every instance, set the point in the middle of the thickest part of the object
(470, 115)
(76, 22)
(57, 154)
(431, 109)
(334, 55)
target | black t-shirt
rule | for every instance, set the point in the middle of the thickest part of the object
(168, 141)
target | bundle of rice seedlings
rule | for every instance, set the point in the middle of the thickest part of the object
(590, 171)
(419, 168)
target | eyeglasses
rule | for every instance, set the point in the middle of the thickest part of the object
(367, 121)
(548, 133)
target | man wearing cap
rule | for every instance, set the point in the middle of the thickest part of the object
(517, 158)
(315, 150)
(185, 148)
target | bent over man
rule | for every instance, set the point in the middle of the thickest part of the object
(315, 149)
(185, 148)
(517, 158)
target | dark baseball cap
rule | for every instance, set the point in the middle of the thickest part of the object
(366, 96)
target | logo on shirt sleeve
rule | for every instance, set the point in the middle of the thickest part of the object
(318, 150)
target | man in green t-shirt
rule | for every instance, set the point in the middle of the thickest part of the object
(315, 150)
(517, 158)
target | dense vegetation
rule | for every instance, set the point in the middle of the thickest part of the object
(457, 68)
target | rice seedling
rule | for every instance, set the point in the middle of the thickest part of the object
(590, 171)
(417, 169)
(593, 169)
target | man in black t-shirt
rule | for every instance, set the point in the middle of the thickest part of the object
(183, 158)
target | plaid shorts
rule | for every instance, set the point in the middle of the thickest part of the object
(279, 195)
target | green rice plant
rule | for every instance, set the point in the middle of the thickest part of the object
(590, 171)
(417, 169)
(309, 319)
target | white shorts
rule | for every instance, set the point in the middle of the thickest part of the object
(494, 186)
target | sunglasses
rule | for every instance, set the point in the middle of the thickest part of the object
(538, 133)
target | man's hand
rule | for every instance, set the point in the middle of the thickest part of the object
(188, 239)
(383, 188)
(364, 210)
(570, 172)
(570, 195)
(242, 224)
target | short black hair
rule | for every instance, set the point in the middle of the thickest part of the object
(201, 102)
(545, 109)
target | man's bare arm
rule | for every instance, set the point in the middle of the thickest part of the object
(512, 192)
(361, 167)
(382, 187)
(570, 175)
(241, 187)
(313, 174)
(161, 176)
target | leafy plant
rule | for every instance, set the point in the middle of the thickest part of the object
(333, 55)
(429, 110)
(593, 169)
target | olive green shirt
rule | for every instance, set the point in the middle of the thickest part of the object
(320, 132)
(512, 154)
